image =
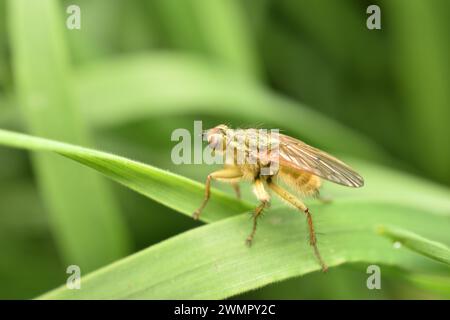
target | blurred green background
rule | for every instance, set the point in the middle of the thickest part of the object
(137, 70)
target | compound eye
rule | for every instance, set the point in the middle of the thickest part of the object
(214, 140)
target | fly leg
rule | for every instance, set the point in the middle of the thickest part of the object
(229, 174)
(237, 189)
(301, 206)
(264, 198)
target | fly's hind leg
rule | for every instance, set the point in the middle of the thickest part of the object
(264, 198)
(301, 206)
(229, 174)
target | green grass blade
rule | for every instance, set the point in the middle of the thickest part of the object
(212, 262)
(214, 256)
(4, 67)
(389, 185)
(179, 193)
(438, 284)
(423, 78)
(137, 87)
(184, 195)
(338, 29)
(9, 116)
(382, 183)
(432, 249)
(217, 29)
(85, 220)
(123, 90)
(230, 39)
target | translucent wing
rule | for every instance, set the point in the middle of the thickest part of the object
(298, 155)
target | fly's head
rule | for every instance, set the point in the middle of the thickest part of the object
(217, 137)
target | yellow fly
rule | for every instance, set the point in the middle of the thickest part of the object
(263, 158)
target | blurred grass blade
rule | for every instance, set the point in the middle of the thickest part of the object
(218, 29)
(429, 248)
(438, 284)
(227, 34)
(338, 29)
(388, 185)
(122, 90)
(212, 262)
(300, 71)
(176, 192)
(119, 91)
(423, 78)
(9, 116)
(4, 66)
(86, 223)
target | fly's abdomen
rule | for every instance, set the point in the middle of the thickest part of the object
(304, 183)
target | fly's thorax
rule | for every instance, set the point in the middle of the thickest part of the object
(251, 146)
(254, 147)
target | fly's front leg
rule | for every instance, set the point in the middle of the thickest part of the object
(264, 197)
(301, 206)
(229, 174)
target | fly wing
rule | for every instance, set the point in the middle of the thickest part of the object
(298, 155)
